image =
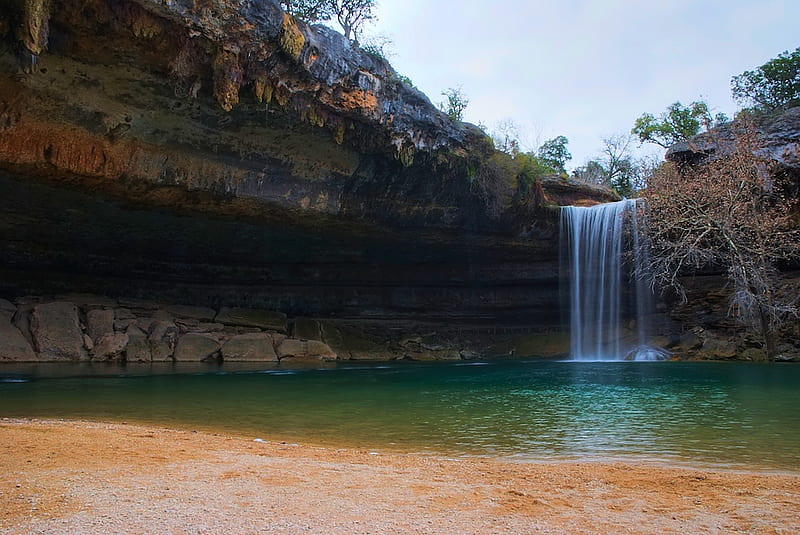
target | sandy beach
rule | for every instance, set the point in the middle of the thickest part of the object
(60, 477)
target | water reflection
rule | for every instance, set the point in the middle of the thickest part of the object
(740, 414)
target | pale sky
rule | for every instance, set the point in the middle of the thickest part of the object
(578, 68)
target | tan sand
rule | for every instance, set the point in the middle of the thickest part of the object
(61, 477)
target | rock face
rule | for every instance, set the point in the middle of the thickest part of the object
(702, 327)
(222, 154)
(56, 331)
(777, 141)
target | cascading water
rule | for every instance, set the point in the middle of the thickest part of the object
(601, 286)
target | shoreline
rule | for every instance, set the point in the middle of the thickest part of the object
(60, 476)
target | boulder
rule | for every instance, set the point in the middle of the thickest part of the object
(305, 349)
(195, 347)
(14, 347)
(110, 347)
(138, 348)
(56, 331)
(99, 323)
(254, 347)
(252, 317)
(162, 338)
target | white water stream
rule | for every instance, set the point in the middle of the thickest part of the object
(604, 257)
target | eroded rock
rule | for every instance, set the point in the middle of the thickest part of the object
(14, 347)
(56, 331)
(194, 347)
(305, 349)
(254, 347)
(110, 347)
(99, 323)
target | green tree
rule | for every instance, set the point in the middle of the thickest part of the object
(351, 14)
(773, 85)
(308, 10)
(678, 123)
(554, 153)
(455, 104)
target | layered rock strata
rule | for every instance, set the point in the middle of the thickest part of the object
(80, 328)
(223, 154)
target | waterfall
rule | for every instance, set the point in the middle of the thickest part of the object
(604, 257)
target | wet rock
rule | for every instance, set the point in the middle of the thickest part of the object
(195, 347)
(754, 354)
(14, 347)
(99, 323)
(352, 343)
(110, 347)
(305, 349)
(252, 317)
(56, 331)
(254, 347)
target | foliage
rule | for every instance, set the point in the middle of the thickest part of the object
(773, 85)
(726, 214)
(621, 168)
(592, 172)
(554, 153)
(506, 137)
(351, 14)
(456, 103)
(308, 10)
(678, 123)
(501, 177)
(379, 46)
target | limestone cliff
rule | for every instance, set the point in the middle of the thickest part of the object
(222, 153)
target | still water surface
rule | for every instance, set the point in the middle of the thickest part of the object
(733, 414)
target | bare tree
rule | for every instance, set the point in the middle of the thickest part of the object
(727, 214)
(506, 136)
(352, 14)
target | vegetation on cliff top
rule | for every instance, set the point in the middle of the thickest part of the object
(731, 208)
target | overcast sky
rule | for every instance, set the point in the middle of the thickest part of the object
(583, 69)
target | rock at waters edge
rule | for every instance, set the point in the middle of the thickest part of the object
(14, 347)
(56, 331)
(253, 347)
(99, 323)
(193, 347)
(311, 349)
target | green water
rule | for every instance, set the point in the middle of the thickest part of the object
(741, 415)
